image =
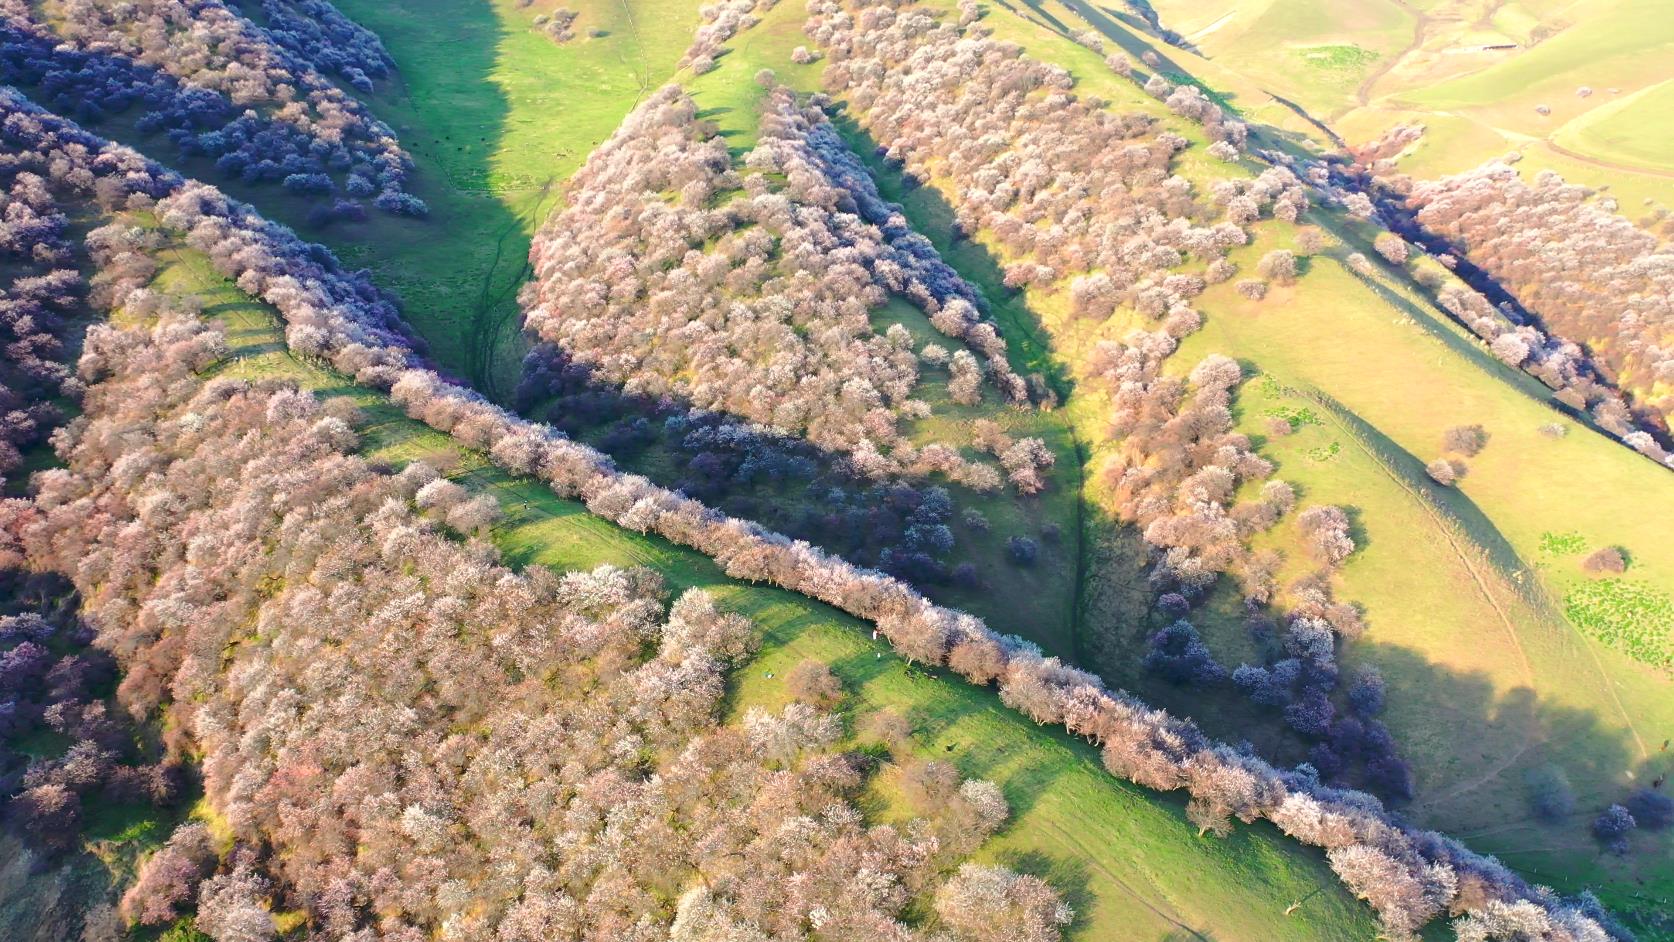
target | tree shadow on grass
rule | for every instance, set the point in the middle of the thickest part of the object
(1029, 348)
(1472, 745)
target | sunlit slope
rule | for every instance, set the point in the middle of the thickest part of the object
(1494, 640)
(1125, 858)
(1483, 77)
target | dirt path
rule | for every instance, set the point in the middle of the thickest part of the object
(1605, 164)
(1090, 857)
(1508, 626)
(1420, 32)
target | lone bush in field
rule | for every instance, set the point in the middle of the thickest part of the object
(1612, 828)
(813, 683)
(1608, 559)
(1467, 440)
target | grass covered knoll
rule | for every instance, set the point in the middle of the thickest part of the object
(1127, 859)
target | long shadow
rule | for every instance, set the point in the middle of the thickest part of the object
(1454, 505)
(1476, 744)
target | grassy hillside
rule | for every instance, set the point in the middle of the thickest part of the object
(1502, 655)
(1127, 859)
(1473, 72)
(1498, 649)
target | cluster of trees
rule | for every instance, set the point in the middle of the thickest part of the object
(1409, 876)
(54, 684)
(752, 298)
(1188, 101)
(40, 291)
(1076, 193)
(721, 21)
(1176, 474)
(1646, 808)
(416, 741)
(1586, 272)
(1178, 468)
(314, 30)
(559, 25)
(46, 167)
(220, 87)
(1068, 189)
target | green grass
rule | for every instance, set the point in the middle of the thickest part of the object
(1562, 544)
(1632, 129)
(1487, 676)
(1345, 57)
(1631, 615)
(496, 116)
(1127, 858)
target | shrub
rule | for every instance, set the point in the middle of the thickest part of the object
(1549, 793)
(1467, 440)
(1392, 247)
(1607, 559)
(813, 683)
(1022, 551)
(1651, 809)
(1279, 266)
(1612, 828)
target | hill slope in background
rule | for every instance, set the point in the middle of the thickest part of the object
(1574, 87)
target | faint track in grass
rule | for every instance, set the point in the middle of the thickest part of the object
(1091, 857)
(1447, 527)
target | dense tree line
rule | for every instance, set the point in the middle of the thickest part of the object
(1410, 877)
(314, 30)
(218, 86)
(742, 296)
(41, 291)
(1584, 272)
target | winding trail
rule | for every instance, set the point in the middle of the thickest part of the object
(1420, 32)
(1508, 626)
(1091, 857)
(1605, 164)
